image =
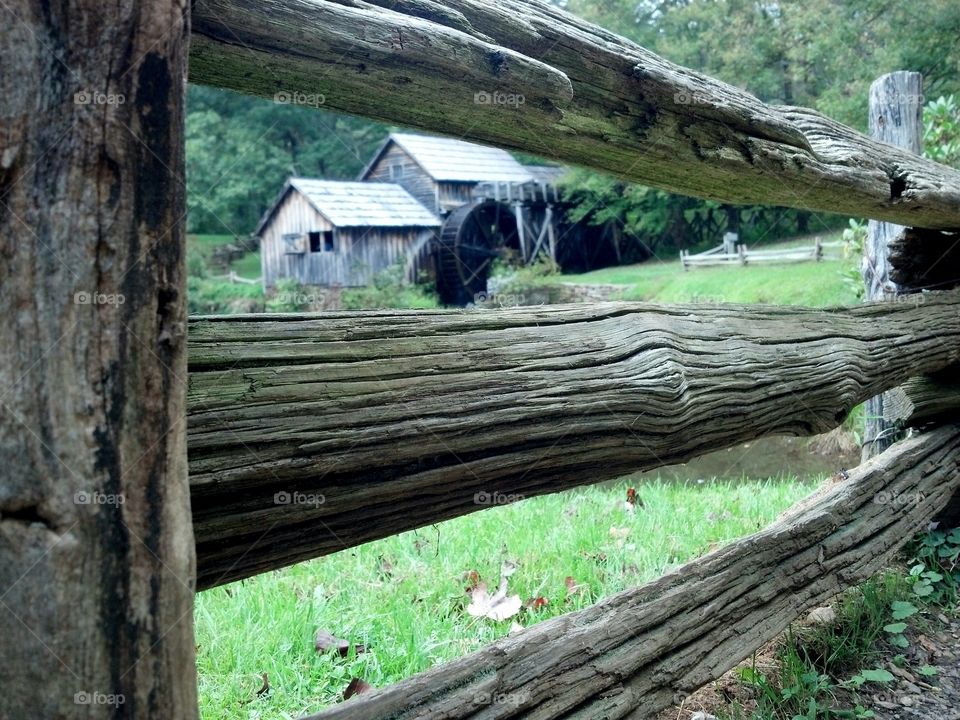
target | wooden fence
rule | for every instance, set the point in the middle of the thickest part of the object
(400, 418)
(744, 256)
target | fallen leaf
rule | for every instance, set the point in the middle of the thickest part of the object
(386, 567)
(573, 587)
(498, 606)
(357, 687)
(507, 568)
(515, 627)
(537, 603)
(265, 688)
(325, 641)
(472, 577)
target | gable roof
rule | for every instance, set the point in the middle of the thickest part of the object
(355, 204)
(449, 160)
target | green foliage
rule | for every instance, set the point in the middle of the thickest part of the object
(854, 238)
(390, 290)
(653, 221)
(196, 262)
(941, 130)
(813, 663)
(288, 295)
(935, 570)
(240, 151)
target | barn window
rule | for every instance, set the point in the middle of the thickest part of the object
(321, 241)
(396, 171)
(292, 243)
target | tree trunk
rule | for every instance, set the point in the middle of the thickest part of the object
(309, 434)
(96, 545)
(896, 117)
(589, 97)
(635, 653)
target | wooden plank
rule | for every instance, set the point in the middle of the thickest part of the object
(590, 97)
(96, 545)
(400, 419)
(896, 117)
(630, 655)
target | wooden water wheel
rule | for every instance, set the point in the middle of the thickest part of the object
(472, 237)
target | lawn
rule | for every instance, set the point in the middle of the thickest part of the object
(404, 597)
(812, 284)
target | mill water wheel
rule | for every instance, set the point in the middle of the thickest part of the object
(472, 237)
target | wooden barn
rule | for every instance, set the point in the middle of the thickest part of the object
(329, 233)
(442, 173)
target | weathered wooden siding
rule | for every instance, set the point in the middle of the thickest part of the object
(452, 195)
(415, 180)
(358, 252)
(294, 215)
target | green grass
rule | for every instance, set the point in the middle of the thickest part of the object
(403, 597)
(248, 266)
(811, 284)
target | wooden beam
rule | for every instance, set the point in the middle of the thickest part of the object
(628, 656)
(924, 400)
(96, 545)
(925, 260)
(526, 75)
(309, 434)
(895, 117)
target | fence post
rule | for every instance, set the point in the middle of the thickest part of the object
(896, 117)
(742, 250)
(683, 260)
(97, 560)
(818, 250)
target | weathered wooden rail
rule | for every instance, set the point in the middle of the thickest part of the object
(97, 555)
(399, 419)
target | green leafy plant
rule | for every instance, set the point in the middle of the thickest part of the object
(854, 237)
(390, 289)
(941, 130)
(935, 570)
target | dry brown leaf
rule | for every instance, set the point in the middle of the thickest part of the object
(357, 687)
(324, 641)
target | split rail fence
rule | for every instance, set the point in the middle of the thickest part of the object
(400, 418)
(744, 256)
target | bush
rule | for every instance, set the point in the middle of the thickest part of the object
(221, 297)
(390, 290)
(941, 130)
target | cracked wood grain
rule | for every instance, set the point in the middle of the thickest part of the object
(400, 419)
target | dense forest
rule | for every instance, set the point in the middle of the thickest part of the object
(817, 53)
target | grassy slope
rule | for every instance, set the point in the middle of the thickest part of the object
(813, 284)
(404, 596)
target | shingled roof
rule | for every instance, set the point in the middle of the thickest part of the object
(449, 160)
(356, 204)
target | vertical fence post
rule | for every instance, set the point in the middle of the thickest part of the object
(96, 543)
(896, 117)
